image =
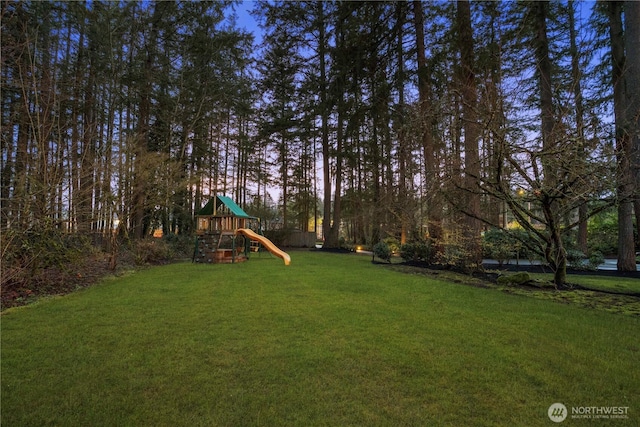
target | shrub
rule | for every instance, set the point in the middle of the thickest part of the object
(576, 259)
(151, 251)
(393, 244)
(454, 253)
(416, 251)
(408, 252)
(42, 259)
(579, 261)
(43, 247)
(603, 233)
(181, 246)
(595, 260)
(499, 245)
(344, 244)
(514, 279)
(382, 251)
(526, 241)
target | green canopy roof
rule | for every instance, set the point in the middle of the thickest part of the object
(226, 202)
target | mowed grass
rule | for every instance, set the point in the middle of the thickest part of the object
(331, 340)
(619, 295)
(613, 284)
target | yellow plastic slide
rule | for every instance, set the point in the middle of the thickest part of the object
(266, 243)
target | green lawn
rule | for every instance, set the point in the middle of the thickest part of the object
(601, 292)
(331, 340)
(612, 284)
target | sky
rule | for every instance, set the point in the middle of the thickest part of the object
(246, 21)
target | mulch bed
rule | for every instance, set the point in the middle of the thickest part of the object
(627, 303)
(23, 287)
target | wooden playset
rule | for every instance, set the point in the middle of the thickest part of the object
(224, 234)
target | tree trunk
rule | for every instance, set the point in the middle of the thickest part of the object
(495, 119)
(433, 210)
(576, 77)
(332, 238)
(626, 254)
(632, 75)
(558, 255)
(403, 200)
(88, 150)
(284, 157)
(324, 126)
(6, 165)
(141, 185)
(471, 131)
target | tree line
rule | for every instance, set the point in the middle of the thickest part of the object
(414, 120)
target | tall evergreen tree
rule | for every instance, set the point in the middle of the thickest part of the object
(471, 129)
(632, 73)
(626, 255)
